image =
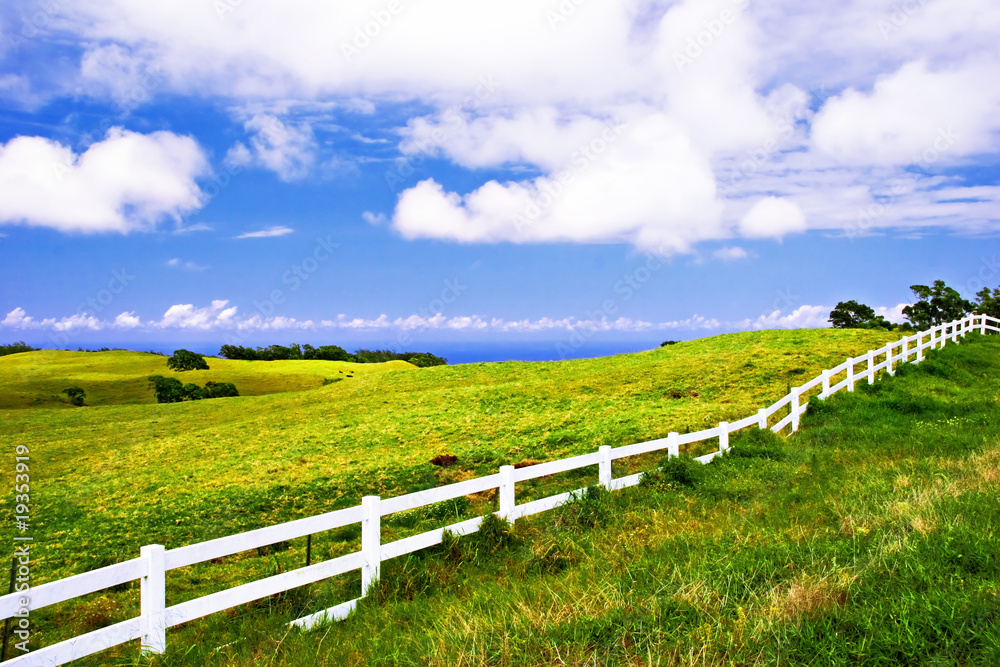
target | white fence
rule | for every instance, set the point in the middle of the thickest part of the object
(154, 560)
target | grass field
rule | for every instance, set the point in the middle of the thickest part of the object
(112, 477)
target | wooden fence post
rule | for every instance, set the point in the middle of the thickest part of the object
(605, 470)
(826, 384)
(723, 436)
(889, 359)
(762, 418)
(507, 499)
(984, 324)
(920, 346)
(153, 599)
(905, 352)
(371, 542)
(871, 367)
(850, 374)
(673, 449)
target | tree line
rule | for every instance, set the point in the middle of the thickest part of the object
(296, 352)
(936, 304)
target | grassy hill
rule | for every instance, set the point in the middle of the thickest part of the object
(112, 477)
(36, 379)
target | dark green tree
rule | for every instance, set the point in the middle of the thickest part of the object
(220, 390)
(76, 395)
(186, 360)
(854, 315)
(167, 390)
(936, 305)
(193, 392)
(989, 302)
(15, 348)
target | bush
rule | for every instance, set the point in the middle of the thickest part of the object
(186, 360)
(676, 471)
(76, 395)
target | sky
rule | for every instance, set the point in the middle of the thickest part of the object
(487, 180)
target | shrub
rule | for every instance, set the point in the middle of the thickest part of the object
(676, 471)
(186, 360)
(76, 395)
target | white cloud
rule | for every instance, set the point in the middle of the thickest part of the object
(773, 217)
(641, 181)
(178, 263)
(126, 182)
(287, 150)
(914, 116)
(186, 316)
(17, 319)
(270, 232)
(704, 85)
(376, 219)
(803, 317)
(892, 313)
(127, 320)
(730, 254)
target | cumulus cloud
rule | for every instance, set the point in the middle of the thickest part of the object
(709, 96)
(287, 150)
(126, 182)
(127, 320)
(915, 115)
(270, 232)
(773, 217)
(187, 316)
(803, 317)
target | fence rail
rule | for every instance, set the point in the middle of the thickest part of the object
(154, 560)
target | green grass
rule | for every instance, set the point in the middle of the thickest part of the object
(110, 478)
(868, 538)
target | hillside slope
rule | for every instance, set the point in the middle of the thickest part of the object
(109, 479)
(869, 538)
(36, 379)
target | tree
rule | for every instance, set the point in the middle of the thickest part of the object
(989, 302)
(854, 315)
(220, 390)
(15, 348)
(76, 395)
(167, 390)
(936, 305)
(185, 360)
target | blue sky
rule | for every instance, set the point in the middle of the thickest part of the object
(543, 178)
